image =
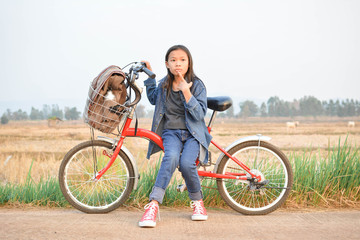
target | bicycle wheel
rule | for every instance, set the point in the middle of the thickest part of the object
(77, 178)
(249, 197)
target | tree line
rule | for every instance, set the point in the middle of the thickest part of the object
(274, 107)
(306, 106)
(45, 113)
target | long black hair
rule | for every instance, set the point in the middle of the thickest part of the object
(189, 76)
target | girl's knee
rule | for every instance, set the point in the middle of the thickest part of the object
(171, 158)
(187, 166)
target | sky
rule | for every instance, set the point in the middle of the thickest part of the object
(248, 50)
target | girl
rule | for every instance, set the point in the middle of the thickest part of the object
(180, 106)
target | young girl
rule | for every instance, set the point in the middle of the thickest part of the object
(180, 106)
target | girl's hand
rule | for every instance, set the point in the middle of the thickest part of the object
(147, 65)
(183, 85)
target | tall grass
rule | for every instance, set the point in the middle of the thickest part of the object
(332, 180)
(42, 193)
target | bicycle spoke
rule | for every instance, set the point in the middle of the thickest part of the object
(87, 192)
(253, 197)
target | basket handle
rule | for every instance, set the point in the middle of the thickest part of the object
(137, 91)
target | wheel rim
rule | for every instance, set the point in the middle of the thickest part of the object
(271, 167)
(95, 194)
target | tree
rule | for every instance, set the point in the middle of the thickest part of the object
(46, 111)
(294, 108)
(20, 115)
(338, 109)
(349, 107)
(263, 111)
(278, 107)
(4, 119)
(8, 114)
(271, 103)
(357, 104)
(310, 106)
(329, 108)
(56, 112)
(229, 113)
(248, 109)
(71, 113)
(283, 109)
(35, 114)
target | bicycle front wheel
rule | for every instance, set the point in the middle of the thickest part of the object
(264, 160)
(80, 187)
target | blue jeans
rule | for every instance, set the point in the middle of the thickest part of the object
(181, 149)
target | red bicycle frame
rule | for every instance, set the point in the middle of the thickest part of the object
(143, 133)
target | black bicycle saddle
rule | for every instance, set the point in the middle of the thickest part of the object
(219, 103)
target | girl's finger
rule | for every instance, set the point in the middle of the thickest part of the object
(180, 75)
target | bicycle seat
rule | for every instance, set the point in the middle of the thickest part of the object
(219, 103)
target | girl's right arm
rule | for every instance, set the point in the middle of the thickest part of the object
(151, 90)
(150, 83)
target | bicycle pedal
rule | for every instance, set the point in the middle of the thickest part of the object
(181, 188)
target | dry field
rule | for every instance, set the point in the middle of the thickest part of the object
(22, 143)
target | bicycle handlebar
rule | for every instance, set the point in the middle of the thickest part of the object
(141, 67)
(149, 73)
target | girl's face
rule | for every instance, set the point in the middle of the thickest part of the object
(178, 61)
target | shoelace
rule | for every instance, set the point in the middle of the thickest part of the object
(152, 207)
(198, 208)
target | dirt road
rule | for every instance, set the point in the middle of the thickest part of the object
(41, 223)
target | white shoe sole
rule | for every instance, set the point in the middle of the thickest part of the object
(149, 224)
(199, 217)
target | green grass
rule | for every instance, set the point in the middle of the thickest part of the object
(43, 193)
(332, 180)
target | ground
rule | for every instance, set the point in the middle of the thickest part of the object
(44, 223)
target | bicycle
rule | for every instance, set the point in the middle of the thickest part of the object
(97, 176)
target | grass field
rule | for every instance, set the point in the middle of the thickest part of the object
(33, 145)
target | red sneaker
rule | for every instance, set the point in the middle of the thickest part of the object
(149, 217)
(199, 213)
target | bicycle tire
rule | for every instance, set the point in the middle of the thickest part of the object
(76, 178)
(262, 158)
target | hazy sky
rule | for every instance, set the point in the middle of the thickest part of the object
(51, 50)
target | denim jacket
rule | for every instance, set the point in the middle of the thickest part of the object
(195, 111)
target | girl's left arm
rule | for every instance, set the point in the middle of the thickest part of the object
(197, 104)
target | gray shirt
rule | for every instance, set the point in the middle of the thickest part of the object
(175, 112)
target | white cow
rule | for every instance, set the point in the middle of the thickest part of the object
(291, 125)
(351, 124)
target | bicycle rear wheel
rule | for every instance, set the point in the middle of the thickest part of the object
(77, 177)
(264, 160)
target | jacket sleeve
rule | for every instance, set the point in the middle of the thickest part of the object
(197, 105)
(151, 90)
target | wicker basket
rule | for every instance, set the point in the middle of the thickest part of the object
(103, 113)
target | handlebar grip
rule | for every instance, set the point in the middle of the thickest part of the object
(149, 73)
